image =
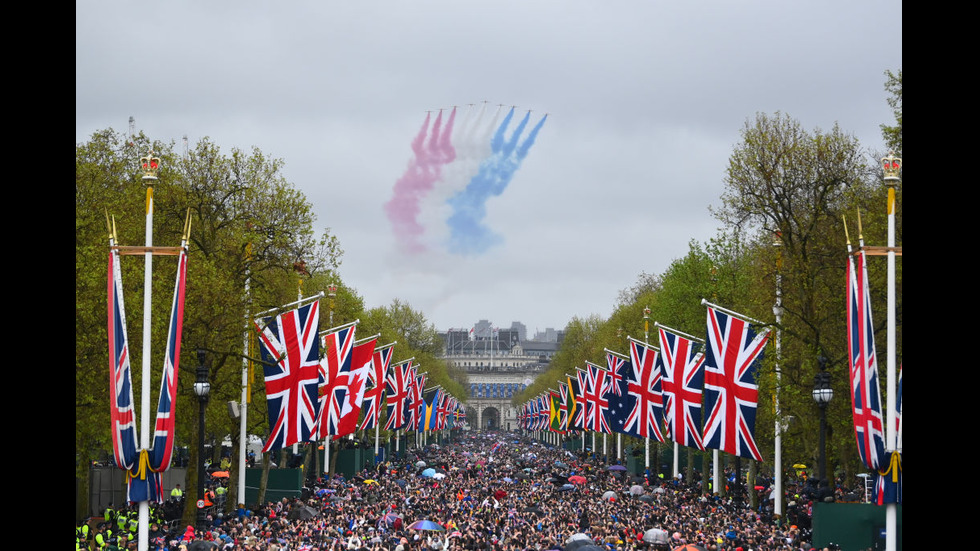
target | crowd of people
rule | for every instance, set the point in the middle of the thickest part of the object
(489, 492)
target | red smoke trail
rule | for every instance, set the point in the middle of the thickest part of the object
(418, 180)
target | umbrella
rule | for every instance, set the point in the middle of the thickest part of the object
(439, 476)
(610, 495)
(302, 513)
(429, 473)
(616, 468)
(689, 547)
(561, 464)
(536, 510)
(201, 545)
(636, 490)
(799, 466)
(577, 545)
(508, 479)
(401, 482)
(655, 535)
(371, 481)
(426, 525)
(577, 479)
(578, 536)
(420, 464)
(220, 474)
(646, 497)
(566, 488)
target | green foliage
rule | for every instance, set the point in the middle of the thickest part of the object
(893, 133)
(249, 227)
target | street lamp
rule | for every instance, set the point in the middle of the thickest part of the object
(822, 395)
(201, 388)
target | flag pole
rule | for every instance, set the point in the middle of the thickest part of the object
(892, 167)
(150, 164)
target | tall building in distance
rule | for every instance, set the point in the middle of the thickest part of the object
(499, 363)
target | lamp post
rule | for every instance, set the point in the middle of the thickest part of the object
(777, 311)
(201, 388)
(822, 395)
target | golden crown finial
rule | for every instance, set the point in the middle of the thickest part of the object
(149, 164)
(892, 166)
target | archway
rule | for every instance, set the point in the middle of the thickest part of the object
(491, 419)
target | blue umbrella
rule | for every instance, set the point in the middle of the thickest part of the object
(426, 525)
(429, 473)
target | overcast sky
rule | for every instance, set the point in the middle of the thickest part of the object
(644, 103)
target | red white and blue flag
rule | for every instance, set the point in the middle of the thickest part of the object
(121, 411)
(597, 405)
(291, 355)
(143, 477)
(416, 398)
(683, 383)
(621, 402)
(374, 395)
(731, 394)
(334, 369)
(397, 395)
(644, 386)
(357, 379)
(163, 435)
(865, 392)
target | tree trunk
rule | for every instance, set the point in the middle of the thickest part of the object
(266, 460)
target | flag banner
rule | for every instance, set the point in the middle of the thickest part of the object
(577, 386)
(646, 414)
(428, 417)
(865, 392)
(597, 405)
(143, 477)
(163, 436)
(290, 349)
(121, 411)
(416, 404)
(554, 415)
(565, 403)
(375, 394)
(621, 402)
(731, 395)
(683, 383)
(544, 412)
(362, 358)
(335, 367)
(397, 395)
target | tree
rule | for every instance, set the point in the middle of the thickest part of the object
(893, 134)
(787, 189)
(248, 224)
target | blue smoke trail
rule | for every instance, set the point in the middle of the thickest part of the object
(468, 233)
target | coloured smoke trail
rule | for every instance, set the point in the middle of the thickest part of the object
(440, 200)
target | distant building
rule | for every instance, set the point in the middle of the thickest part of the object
(499, 364)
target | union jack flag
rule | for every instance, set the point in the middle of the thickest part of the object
(290, 354)
(374, 395)
(731, 394)
(595, 399)
(416, 400)
(683, 381)
(357, 378)
(396, 399)
(120, 376)
(335, 367)
(544, 411)
(865, 392)
(644, 385)
(163, 436)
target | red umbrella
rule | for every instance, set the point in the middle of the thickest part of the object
(689, 547)
(577, 479)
